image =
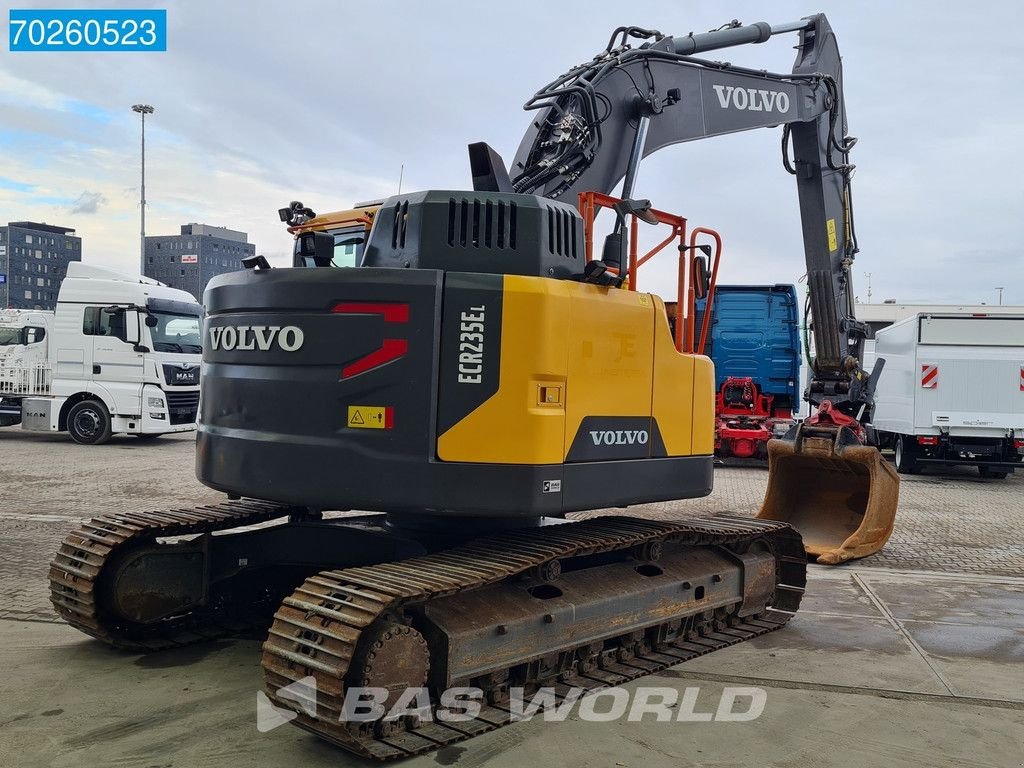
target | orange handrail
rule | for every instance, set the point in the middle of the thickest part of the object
(685, 310)
(706, 324)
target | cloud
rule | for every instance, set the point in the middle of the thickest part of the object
(88, 202)
(237, 134)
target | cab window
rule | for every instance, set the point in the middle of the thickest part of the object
(100, 321)
(348, 250)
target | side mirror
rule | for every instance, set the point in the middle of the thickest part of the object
(315, 249)
(131, 327)
(701, 277)
(614, 252)
(151, 322)
(639, 208)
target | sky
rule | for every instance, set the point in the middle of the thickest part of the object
(259, 103)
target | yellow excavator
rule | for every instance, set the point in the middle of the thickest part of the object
(465, 367)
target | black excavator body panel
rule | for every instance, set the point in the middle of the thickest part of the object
(332, 388)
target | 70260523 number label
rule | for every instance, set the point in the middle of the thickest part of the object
(96, 30)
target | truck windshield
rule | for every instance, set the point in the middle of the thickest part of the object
(176, 333)
(10, 336)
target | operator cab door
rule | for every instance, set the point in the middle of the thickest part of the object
(116, 365)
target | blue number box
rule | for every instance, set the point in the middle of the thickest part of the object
(97, 30)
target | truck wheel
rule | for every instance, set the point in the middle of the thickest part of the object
(906, 463)
(89, 423)
(995, 474)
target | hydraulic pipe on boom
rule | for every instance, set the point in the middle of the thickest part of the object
(592, 121)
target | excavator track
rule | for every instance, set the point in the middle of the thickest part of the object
(81, 563)
(359, 626)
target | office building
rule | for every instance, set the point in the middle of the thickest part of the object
(34, 258)
(189, 260)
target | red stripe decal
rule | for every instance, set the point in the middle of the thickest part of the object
(391, 349)
(393, 313)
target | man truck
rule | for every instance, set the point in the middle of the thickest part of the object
(119, 355)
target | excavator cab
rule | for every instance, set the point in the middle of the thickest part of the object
(838, 492)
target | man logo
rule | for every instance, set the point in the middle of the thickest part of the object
(270, 716)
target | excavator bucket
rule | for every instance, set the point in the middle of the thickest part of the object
(839, 494)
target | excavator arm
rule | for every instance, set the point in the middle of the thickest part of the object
(596, 122)
(645, 91)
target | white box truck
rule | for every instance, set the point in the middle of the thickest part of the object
(118, 355)
(952, 392)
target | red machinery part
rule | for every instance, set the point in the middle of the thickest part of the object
(828, 416)
(746, 419)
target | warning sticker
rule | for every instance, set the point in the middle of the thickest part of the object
(830, 227)
(370, 417)
(645, 300)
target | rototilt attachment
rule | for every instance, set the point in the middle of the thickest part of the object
(840, 494)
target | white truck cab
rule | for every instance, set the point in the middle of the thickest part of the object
(120, 354)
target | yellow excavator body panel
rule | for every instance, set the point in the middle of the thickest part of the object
(580, 363)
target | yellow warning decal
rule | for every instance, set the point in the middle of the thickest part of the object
(645, 300)
(830, 226)
(369, 417)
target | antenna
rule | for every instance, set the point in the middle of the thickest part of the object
(1000, 289)
(868, 276)
(401, 175)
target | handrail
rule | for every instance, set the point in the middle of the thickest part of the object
(706, 324)
(685, 309)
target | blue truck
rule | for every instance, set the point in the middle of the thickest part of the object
(754, 342)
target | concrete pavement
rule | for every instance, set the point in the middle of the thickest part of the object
(872, 671)
(911, 657)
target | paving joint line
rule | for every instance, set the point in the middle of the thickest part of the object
(854, 690)
(895, 623)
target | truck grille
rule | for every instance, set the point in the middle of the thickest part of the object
(181, 375)
(182, 406)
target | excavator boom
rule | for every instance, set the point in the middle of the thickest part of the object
(646, 91)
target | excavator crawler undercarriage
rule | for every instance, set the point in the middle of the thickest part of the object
(568, 605)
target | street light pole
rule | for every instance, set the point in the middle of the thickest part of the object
(143, 109)
(1000, 296)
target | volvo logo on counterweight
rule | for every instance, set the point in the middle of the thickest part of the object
(288, 338)
(619, 437)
